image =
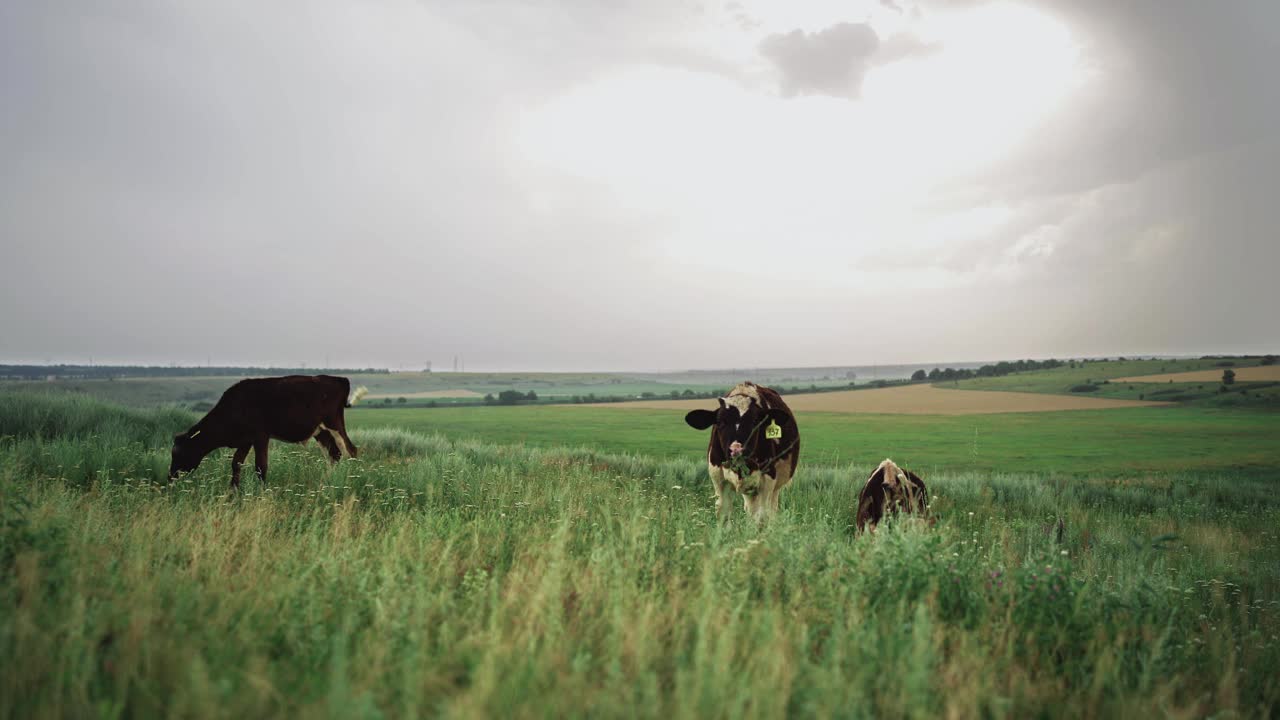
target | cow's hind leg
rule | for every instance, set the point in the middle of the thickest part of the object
(260, 457)
(327, 442)
(337, 424)
(236, 461)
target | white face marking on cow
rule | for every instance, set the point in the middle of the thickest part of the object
(748, 389)
(741, 402)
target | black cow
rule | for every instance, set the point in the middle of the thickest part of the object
(754, 448)
(890, 489)
(250, 413)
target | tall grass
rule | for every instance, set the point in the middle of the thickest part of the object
(434, 577)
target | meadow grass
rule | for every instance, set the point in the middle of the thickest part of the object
(1085, 442)
(443, 577)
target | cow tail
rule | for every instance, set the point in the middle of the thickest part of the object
(355, 396)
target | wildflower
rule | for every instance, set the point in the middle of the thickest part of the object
(1064, 552)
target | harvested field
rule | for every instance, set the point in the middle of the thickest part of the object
(919, 400)
(1262, 373)
(427, 395)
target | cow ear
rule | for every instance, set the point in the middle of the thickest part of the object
(778, 415)
(700, 419)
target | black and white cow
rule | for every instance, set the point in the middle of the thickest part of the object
(890, 489)
(754, 448)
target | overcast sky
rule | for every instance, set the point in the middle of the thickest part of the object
(642, 184)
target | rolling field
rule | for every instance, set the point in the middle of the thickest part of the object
(444, 577)
(1267, 373)
(919, 400)
(1195, 383)
(186, 390)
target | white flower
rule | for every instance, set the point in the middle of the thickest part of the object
(1064, 552)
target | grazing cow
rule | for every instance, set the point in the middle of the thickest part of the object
(890, 489)
(250, 413)
(754, 448)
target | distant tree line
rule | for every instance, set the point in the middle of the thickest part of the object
(1004, 367)
(511, 397)
(110, 372)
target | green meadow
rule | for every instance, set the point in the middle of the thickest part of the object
(567, 562)
(1126, 441)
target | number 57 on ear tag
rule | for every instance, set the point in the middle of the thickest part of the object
(773, 432)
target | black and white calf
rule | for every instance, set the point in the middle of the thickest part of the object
(890, 489)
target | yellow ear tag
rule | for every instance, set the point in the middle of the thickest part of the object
(773, 432)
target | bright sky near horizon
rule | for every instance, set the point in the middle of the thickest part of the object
(653, 184)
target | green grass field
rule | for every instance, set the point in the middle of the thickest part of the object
(1126, 441)
(444, 577)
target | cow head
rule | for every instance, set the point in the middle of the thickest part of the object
(188, 450)
(740, 424)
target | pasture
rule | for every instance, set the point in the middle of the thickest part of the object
(1127, 441)
(566, 561)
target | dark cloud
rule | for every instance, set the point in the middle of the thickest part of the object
(827, 62)
(834, 60)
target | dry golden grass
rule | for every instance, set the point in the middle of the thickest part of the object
(1261, 373)
(919, 400)
(427, 394)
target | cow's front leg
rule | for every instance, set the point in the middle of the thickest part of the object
(759, 503)
(724, 508)
(260, 458)
(236, 461)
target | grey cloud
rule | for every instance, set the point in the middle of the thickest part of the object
(828, 62)
(833, 61)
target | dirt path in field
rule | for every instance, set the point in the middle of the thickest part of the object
(916, 400)
(1262, 373)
